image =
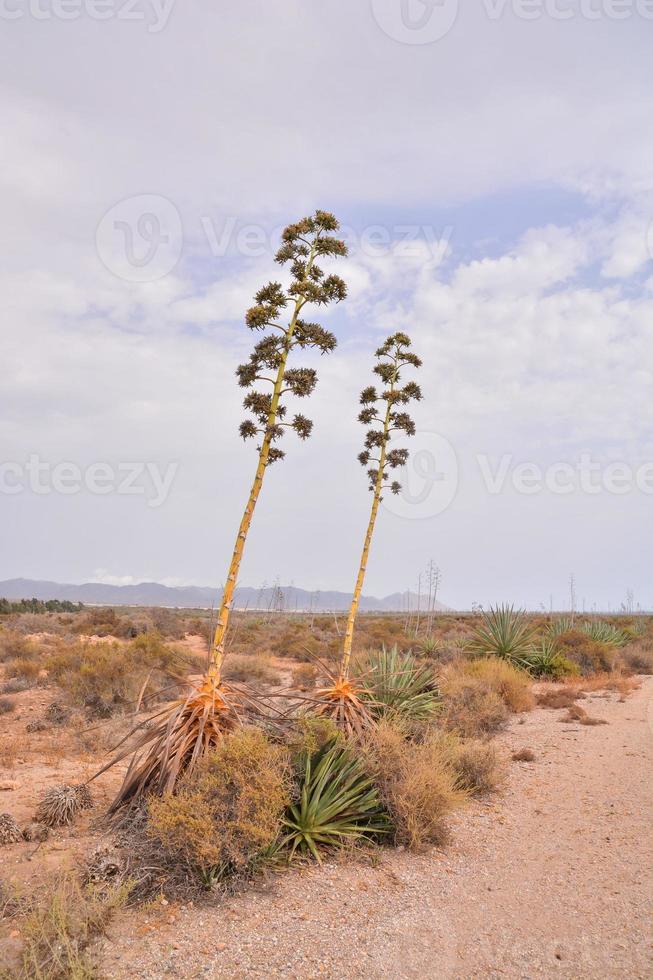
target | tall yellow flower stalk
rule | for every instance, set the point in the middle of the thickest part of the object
(384, 410)
(193, 724)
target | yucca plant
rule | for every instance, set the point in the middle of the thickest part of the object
(562, 625)
(545, 660)
(183, 733)
(605, 633)
(401, 686)
(384, 410)
(338, 804)
(503, 632)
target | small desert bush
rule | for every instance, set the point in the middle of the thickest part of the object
(60, 927)
(524, 755)
(305, 676)
(638, 658)
(589, 655)
(229, 809)
(477, 764)
(472, 708)
(7, 706)
(252, 668)
(24, 668)
(512, 684)
(13, 646)
(418, 785)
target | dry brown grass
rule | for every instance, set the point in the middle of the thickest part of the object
(576, 713)
(418, 784)
(561, 698)
(638, 657)
(524, 755)
(14, 646)
(478, 765)
(471, 708)
(229, 808)
(60, 927)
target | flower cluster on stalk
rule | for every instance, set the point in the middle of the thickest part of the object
(384, 407)
(302, 243)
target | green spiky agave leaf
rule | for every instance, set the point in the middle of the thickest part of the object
(605, 633)
(338, 802)
(398, 684)
(503, 632)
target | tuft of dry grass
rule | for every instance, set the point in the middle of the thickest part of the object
(60, 927)
(576, 713)
(251, 668)
(524, 755)
(14, 646)
(7, 706)
(229, 808)
(418, 785)
(562, 698)
(478, 765)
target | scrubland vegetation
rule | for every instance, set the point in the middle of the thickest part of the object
(262, 741)
(285, 785)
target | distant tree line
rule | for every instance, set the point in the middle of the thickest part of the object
(38, 606)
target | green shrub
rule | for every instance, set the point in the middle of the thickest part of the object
(590, 656)
(229, 809)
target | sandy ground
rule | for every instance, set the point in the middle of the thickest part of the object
(552, 879)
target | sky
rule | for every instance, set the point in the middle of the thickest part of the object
(491, 165)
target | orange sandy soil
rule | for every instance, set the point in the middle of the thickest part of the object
(550, 879)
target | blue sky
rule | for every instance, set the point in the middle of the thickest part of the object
(497, 186)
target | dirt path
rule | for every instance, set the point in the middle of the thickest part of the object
(552, 879)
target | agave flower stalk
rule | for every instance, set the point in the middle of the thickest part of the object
(385, 408)
(192, 725)
(302, 244)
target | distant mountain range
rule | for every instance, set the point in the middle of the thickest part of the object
(282, 598)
